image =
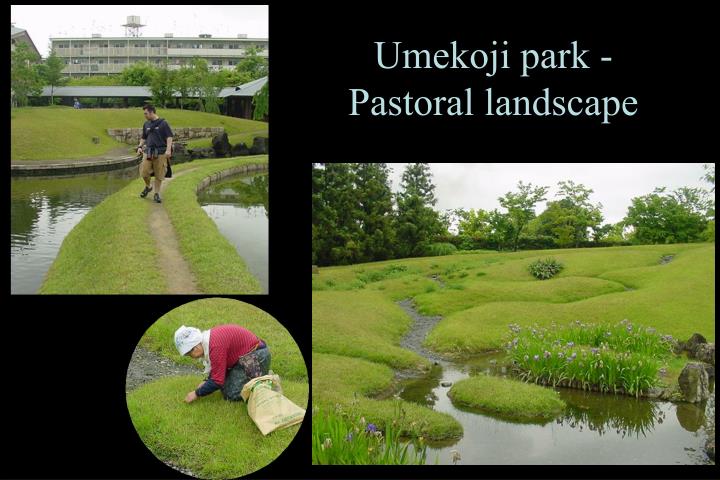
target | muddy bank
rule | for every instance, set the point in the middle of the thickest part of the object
(146, 366)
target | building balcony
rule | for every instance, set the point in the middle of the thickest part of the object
(94, 68)
(211, 52)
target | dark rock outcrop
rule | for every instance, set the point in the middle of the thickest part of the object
(259, 146)
(239, 149)
(693, 381)
(221, 145)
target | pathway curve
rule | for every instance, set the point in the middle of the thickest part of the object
(172, 264)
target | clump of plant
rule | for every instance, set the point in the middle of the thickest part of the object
(589, 356)
(441, 248)
(545, 269)
(390, 271)
(340, 438)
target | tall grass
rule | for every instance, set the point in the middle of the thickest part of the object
(619, 358)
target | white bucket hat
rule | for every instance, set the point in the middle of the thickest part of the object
(186, 338)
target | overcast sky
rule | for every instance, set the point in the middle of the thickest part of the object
(478, 185)
(45, 21)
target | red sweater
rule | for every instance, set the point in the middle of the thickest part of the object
(227, 344)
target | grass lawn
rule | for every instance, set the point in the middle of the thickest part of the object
(111, 250)
(213, 259)
(503, 396)
(357, 326)
(67, 132)
(212, 437)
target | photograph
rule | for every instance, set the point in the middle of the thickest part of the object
(510, 314)
(217, 388)
(139, 150)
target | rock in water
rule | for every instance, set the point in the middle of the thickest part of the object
(221, 145)
(693, 382)
(446, 384)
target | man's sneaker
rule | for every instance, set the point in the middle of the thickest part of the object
(157, 198)
(144, 193)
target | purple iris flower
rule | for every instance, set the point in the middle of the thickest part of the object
(371, 428)
(571, 344)
(536, 357)
(349, 437)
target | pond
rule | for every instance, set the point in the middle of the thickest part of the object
(43, 211)
(594, 429)
(239, 207)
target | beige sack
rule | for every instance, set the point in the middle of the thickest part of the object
(268, 407)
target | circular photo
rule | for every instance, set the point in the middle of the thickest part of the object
(217, 388)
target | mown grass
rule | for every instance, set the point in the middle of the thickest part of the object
(111, 250)
(234, 139)
(506, 397)
(287, 360)
(67, 133)
(343, 383)
(214, 261)
(211, 437)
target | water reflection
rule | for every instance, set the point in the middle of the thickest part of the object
(42, 213)
(239, 206)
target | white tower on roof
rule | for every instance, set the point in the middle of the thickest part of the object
(132, 27)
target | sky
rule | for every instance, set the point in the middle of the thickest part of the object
(45, 21)
(478, 185)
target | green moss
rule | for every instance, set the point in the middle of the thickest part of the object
(506, 397)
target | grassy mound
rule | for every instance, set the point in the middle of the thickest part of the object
(211, 437)
(507, 397)
(111, 250)
(67, 133)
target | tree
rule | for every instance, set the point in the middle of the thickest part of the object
(182, 82)
(417, 223)
(24, 76)
(252, 65)
(138, 74)
(50, 73)
(473, 227)
(709, 175)
(375, 208)
(581, 214)
(520, 208)
(261, 102)
(660, 217)
(162, 86)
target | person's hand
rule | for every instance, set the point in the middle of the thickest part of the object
(139, 150)
(191, 397)
(168, 152)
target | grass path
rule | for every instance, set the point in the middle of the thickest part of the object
(171, 262)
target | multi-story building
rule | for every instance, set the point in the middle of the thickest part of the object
(108, 55)
(18, 35)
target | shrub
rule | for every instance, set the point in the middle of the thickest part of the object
(544, 269)
(437, 249)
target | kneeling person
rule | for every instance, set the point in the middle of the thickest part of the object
(232, 356)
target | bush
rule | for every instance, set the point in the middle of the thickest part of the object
(544, 269)
(442, 248)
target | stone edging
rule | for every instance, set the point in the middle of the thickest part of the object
(217, 176)
(76, 168)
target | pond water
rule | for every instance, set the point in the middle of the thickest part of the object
(43, 211)
(239, 207)
(594, 429)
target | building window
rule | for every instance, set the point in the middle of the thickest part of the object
(116, 61)
(76, 61)
(232, 62)
(101, 61)
(118, 45)
(154, 45)
(217, 45)
(139, 45)
(260, 47)
(234, 45)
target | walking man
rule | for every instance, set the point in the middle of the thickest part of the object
(159, 137)
(232, 356)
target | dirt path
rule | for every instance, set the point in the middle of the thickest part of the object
(146, 366)
(173, 266)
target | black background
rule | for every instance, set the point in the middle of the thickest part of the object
(65, 357)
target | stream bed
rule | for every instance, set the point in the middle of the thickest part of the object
(594, 429)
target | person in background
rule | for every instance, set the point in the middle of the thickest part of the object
(76, 104)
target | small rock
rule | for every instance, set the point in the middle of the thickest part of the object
(705, 352)
(445, 384)
(693, 382)
(710, 448)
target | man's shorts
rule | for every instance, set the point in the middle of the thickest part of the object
(158, 165)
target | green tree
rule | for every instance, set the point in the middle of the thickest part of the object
(138, 74)
(417, 222)
(473, 227)
(182, 81)
(252, 65)
(520, 208)
(50, 73)
(582, 215)
(162, 86)
(709, 175)
(25, 80)
(375, 208)
(261, 101)
(661, 217)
